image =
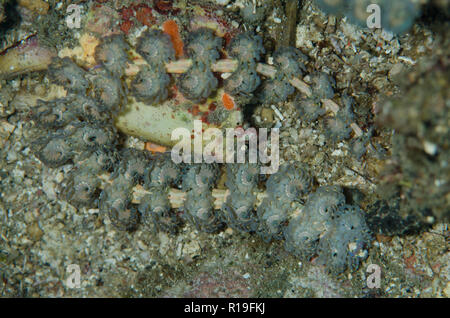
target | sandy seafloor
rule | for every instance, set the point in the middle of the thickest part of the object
(40, 235)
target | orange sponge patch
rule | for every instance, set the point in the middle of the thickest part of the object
(171, 28)
(227, 101)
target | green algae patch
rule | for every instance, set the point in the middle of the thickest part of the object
(156, 123)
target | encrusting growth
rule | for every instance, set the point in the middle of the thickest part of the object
(83, 133)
